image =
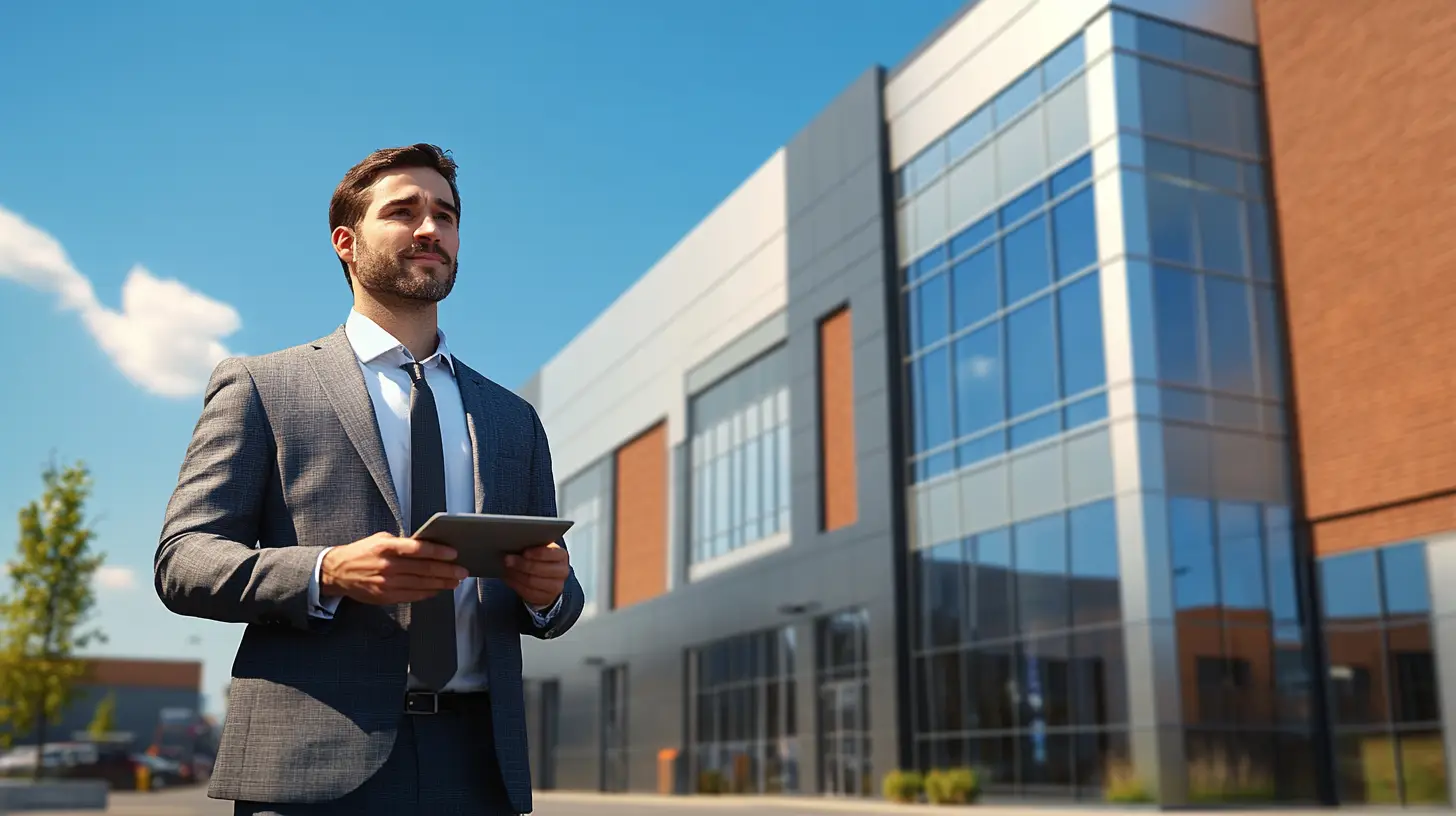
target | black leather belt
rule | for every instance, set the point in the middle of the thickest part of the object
(437, 702)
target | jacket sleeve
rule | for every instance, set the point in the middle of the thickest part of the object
(207, 563)
(543, 503)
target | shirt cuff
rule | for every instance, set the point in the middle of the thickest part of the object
(320, 607)
(544, 616)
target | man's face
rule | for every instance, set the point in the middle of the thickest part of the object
(406, 245)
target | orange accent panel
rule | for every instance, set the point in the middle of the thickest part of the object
(639, 562)
(836, 413)
(1361, 97)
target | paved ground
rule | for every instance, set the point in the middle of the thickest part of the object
(193, 802)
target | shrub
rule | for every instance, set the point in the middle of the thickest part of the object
(712, 782)
(1125, 788)
(957, 786)
(903, 786)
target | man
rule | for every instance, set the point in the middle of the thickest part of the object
(373, 676)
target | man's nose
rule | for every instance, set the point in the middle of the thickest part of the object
(427, 228)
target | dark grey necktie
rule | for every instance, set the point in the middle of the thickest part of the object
(432, 621)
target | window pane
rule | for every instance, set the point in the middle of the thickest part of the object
(1074, 230)
(1261, 254)
(1221, 172)
(1031, 355)
(1190, 523)
(973, 236)
(1403, 570)
(979, 373)
(1170, 221)
(1072, 175)
(941, 574)
(992, 599)
(1279, 542)
(1028, 261)
(1094, 564)
(1164, 101)
(1348, 585)
(1041, 567)
(1175, 293)
(1068, 124)
(1211, 113)
(976, 288)
(973, 185)
(1231, 341)
(1021, 153)
(1023, 205)
(1220, 233)
(1080, 311)
(1064, 62)
(969, 133)
(1019, 96)
(1241, 556)
(932, 310)
(934, 415)
(1271, 363)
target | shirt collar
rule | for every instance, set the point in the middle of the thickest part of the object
(371, 342)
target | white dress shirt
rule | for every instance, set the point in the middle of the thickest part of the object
(381, 358)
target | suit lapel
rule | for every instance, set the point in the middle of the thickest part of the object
(338, 371)
(480, 423)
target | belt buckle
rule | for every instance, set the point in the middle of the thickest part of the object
(411, 697)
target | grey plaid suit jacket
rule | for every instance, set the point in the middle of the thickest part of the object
(285, 460)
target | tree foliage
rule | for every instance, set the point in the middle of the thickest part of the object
(104, 721)
(44, 616)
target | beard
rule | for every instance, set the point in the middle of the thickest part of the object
(394, 275)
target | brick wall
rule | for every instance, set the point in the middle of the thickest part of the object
(1362, 102)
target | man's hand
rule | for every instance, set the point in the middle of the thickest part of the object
(385, 569)
(538, 575)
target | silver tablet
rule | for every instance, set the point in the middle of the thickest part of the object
(482, 540)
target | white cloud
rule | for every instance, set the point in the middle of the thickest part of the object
(166, 337)
(109, 577)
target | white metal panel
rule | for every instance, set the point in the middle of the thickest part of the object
(625, 371)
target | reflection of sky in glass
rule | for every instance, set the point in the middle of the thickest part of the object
(1349, 588)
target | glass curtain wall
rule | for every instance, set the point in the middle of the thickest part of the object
(744, 723)
(1384, 690)
(1196, 151)
(1019, 667)
(740, 459)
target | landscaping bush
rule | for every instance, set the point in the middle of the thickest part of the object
(957, 786)
(903, 786)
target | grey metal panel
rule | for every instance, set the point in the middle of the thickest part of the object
(738, 353)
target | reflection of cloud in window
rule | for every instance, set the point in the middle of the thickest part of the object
(978, 366)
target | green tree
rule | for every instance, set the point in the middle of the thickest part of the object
(44, 615)
(104, 722)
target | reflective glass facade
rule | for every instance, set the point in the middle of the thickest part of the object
(1384, 696)
(745, 725)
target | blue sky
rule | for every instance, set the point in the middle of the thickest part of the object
(198, 144)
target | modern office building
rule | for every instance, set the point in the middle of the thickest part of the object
(1071, 402)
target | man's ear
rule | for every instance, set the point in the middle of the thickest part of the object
(343, 240)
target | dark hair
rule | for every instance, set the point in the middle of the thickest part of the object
(351, 200)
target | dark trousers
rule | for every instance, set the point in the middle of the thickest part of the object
(442, 765)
